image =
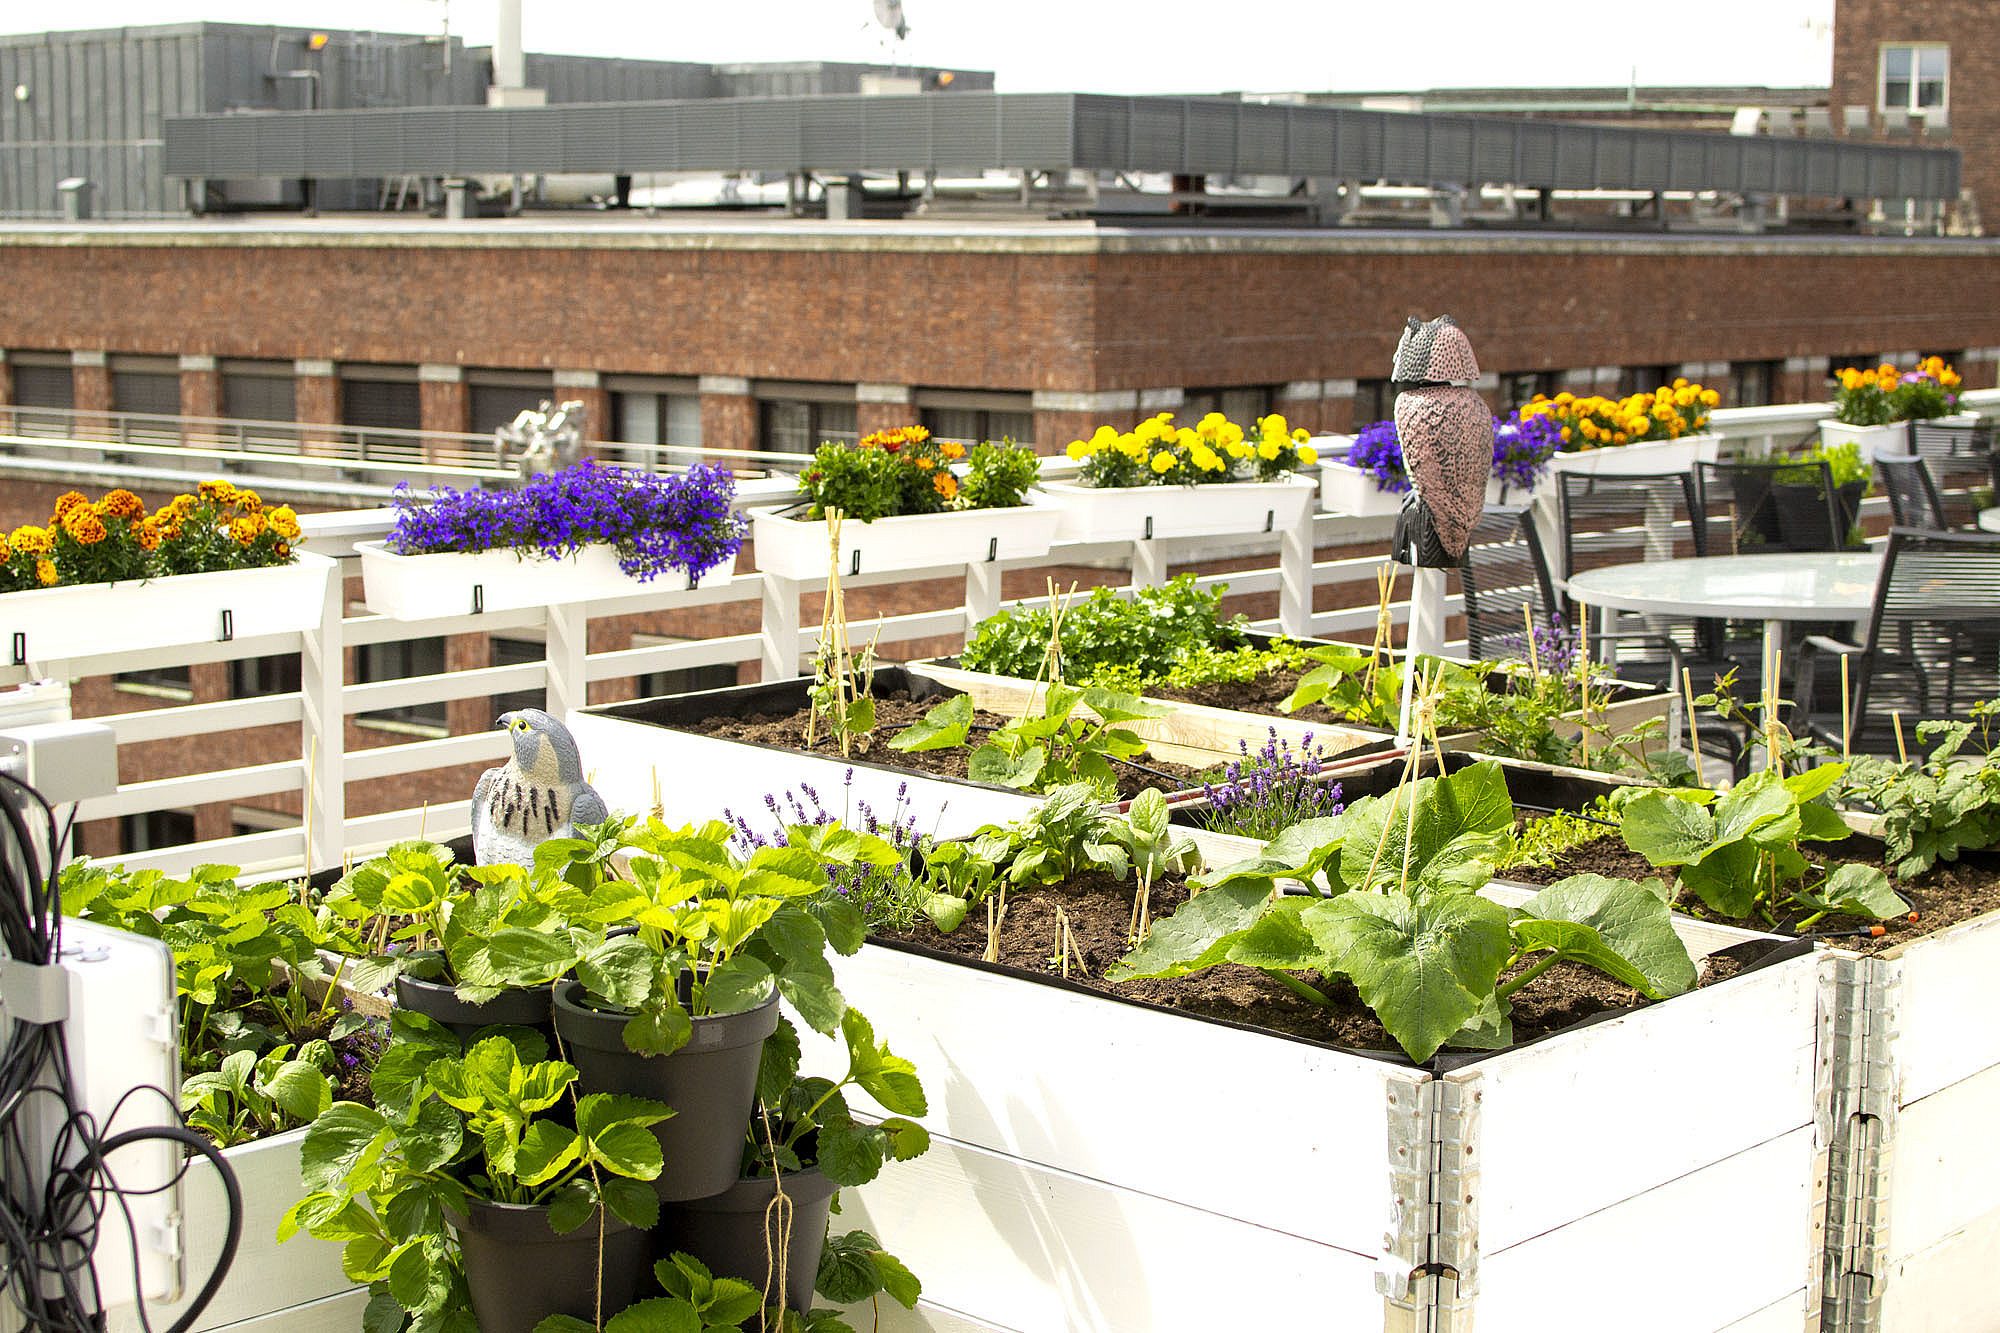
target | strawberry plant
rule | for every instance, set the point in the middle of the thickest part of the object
(1073, 737)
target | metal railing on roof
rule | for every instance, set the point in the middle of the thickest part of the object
(1043, 132)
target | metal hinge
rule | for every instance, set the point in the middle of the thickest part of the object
(1859, 1016)
(1430, 1268)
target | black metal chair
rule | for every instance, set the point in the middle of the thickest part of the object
(1959, 456)
(1913, 496)
(1932, 647)
(1506, 580)
(1752, 508)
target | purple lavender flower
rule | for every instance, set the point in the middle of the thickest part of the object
(684, 521)
(1265, 793)
(1521, 452)
(1555, 647)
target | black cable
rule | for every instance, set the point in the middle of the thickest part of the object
(48, 1240)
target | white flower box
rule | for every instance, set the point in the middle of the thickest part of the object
(1625, 460)
(1351, 491)
(1085, 1148)
(455, 583)
(1893, 438)
(297, 1287)
(1221, 509)
(798, 548)
(52, 624)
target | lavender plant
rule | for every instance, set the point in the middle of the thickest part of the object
(884, 889)
(1263, 794)
(656, 523)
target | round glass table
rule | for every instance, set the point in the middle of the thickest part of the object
(1989, 520)
(1816, 585)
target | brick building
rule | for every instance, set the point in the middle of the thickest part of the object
(1926, 63)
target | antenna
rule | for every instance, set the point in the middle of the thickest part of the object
(889, 13)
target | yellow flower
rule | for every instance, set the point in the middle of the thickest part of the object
(148, 533)
(1709, 398)
(69, 501)
(1207, 459)
(946, 485)
(1078, 451)
(30, 539)
(1268, 450)
(1301, 435)
(952, 449)
(84, 526)
(45, 572)
(245, 530)
(1163, 462)
(1308, 455)
(1230, 433)
(1240, 450)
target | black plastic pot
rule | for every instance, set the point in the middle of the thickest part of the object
(1756, 512)
(711, 1083)
(1802, 514)
(736, 1236)
(433, 999)
(520, 1272)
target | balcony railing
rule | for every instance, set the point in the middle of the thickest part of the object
(1334, 595)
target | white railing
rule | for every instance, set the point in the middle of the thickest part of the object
(1319, 597)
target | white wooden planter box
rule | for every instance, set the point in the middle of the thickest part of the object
(1914, 1197)
(48, 624)
(1893, 438)
(798, 548)
(1118, 1167)
(1135, 513)
(694, 777)
(1626, 460)
(453, 583)
(297, 1286)
(1349, 490)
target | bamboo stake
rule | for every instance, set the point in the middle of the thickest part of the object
(1896, 716)
(1772, 759)
(1846, 713)
(312, 768)
(996, 918)
(1694, 728)
(1534, 653)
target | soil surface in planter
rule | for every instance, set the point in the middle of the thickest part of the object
(1261, 695)
(894, 712)
(1099, 910)
(1946, 894)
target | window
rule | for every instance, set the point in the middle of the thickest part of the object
(653, 412)
(381, 397)
(513, 652)
(1644, 379)
(1241, 405)
(156, 829)
(43, 379)
(970, 425)
(496, 398)
(250, 677)
(1374, 401)
(258, 391)
(157, 682)
(399, 661)
(1520, 386)
(146, 384)
(1753, 383)
(1915, 77)
(794, 426)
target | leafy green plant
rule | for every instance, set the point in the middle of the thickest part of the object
(1942, 805)
(252, 1097)
(1145, 633)
(499, 1122)
(805, 1121)
(1154, 850)
(1740, 852)
(955, 878)
(855, 1268)
(1545, 841)
(697, 1301)
(998, 476)
(1067, 835)
(1074, 737)
(1392, 906)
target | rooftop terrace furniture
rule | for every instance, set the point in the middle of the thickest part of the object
(1932, 648)
(1913, 497)
(1503, 572)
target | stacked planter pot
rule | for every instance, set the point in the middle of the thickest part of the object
(1084, 1151)
(52, 624)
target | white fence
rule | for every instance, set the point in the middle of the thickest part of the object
(323, 766)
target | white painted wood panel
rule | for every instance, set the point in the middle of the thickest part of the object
(1599, 1114)
(1947, 980)
(928, 1317)
(1947, 1288)
(266, 1276)
(1944, 1175)
(698, 777)
(1141, 1098)
(1024, 1247)
(333, 1314)
(1747, 1217)
(1787, 1315)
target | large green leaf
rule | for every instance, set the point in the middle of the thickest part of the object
(1761, 804)
(1424, 967)
(887, 1077)
(1667, 830)
(1432, 814)
(1859, 890)
(741, 984)
(1195, 937)
(1618, 927)
(1726, 879)
(344, 1136)
(991, 763)
(1276, 941)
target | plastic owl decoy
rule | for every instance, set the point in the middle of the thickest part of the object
(538, 794)
(1447, 437)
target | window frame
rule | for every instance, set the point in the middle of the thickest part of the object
(1915, 81)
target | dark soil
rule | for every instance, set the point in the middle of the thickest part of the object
(1262, 695)
(894, 712)
(1099, 912)
(1943, 896)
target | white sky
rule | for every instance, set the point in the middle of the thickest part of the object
(1127, 46)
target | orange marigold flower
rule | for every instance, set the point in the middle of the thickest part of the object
(148, 533)
(219, 491)
(68, 501)
(4, 551)
(249, 501)
(923, 463)
(85, 526)
(952, 449)
(284, 522)
(122, 503)
(283, 549)
(946, 484)
(246, 529)
(45, 572)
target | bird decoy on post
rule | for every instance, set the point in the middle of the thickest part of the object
(1446, 432)
(538, 794)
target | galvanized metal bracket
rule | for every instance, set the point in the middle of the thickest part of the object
(1860, 1012)
(1429, 1275)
